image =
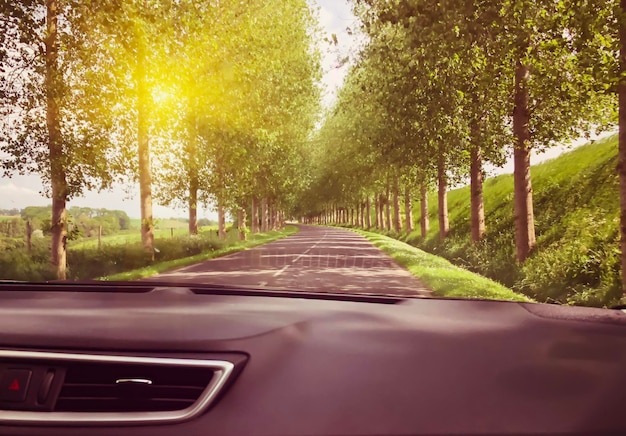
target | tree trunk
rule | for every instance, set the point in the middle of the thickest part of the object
(397, 217)
(476, 197)
(408, 210)
(357, 218)
(221, 220)
(442, 188)
(274, 218)
(522, 191)
(352, 217)
(241, 221)
(368, 213)
(143, 149)
(192, 168)
(58, 256)
(255, 215)
(362, 215)
(621, 166)
(193, 203)
(264, 215)
(381, 211)
(376, 212)
(387, 210)
(424, 221)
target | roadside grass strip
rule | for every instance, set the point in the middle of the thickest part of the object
(444, 278)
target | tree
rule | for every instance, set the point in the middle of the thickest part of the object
(54, 123)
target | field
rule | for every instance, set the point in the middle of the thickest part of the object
(132, 236)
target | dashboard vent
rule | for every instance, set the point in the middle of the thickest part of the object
(97, 389)
(123, 387)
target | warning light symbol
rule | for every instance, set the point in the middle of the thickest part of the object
(14, 386)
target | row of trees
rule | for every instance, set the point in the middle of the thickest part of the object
(10, 212)
(200, 101)
(443, 87)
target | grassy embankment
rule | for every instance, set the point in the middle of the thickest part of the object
(443, 278)
(576, 202)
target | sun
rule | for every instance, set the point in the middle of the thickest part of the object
(161, 95)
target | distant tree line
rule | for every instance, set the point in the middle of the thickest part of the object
(84, 221)
(9, 212)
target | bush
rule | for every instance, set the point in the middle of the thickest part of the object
(87, 263)
(90, 263)
(17, 264)
(583, 267)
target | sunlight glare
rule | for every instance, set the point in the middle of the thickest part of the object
(161, 95)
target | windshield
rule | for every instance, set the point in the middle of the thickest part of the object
(462, 149)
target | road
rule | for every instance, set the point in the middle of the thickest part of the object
(320, 259)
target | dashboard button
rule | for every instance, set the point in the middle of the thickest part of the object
(14, 384)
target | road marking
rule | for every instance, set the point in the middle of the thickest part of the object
(280, 271)
(283, 269)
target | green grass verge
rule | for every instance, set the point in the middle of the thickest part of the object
(253, 241)
(445, 279)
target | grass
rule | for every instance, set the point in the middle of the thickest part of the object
(253, 241)
(576, 205)
(444, 278)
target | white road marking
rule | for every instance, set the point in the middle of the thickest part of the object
(280, 271)
(283, 269)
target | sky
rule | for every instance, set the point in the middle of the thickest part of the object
(335, 18)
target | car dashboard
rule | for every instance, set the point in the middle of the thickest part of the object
(155, 359)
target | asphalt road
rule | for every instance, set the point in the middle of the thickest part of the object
(316, 259)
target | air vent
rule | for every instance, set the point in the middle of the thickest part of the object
(113, 390)
(123, 387)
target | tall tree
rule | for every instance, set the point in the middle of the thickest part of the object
(622, 135)
(54, 117)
